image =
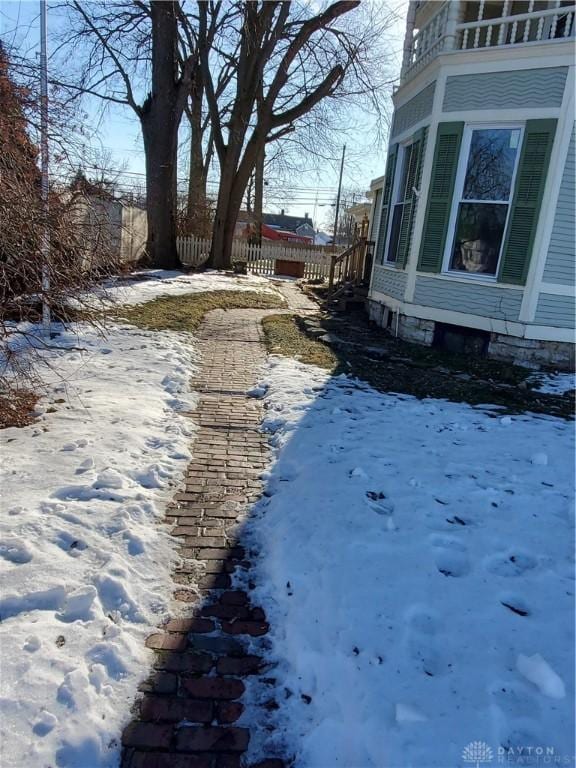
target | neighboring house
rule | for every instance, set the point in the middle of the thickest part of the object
(359, 216)
(277, 226)
(110, 229)
(474, 218)
(298, 224)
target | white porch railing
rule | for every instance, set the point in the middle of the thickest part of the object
(445, 32)
(426, 44)
(261, 260)
(550, 24)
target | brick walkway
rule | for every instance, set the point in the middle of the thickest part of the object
(201, 660)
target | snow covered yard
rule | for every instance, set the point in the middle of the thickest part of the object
(84, 563)
(415, 566)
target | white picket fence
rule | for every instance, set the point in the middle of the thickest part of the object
(261, 259)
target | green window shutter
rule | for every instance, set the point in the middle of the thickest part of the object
(377, 208)
(446, 154)
(527, 200)
(413, 175)
(386, 195)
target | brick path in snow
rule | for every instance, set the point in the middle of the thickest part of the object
(202, 661)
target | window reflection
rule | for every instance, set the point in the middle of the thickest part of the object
(483, 205)
(491, 164)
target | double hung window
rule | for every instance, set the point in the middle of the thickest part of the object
(484, 187)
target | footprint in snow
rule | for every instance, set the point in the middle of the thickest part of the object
(515, 604)
(450, 556)
(379, 503)
(69, 543)
(423, 646)
(450, 563)
(15, 551)
(511, 563)
(85, 466)
(427, 656)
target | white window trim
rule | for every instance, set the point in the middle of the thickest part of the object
(469, 128)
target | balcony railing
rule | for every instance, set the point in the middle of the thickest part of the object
(555, 23)
(426, 44)
(444, 32)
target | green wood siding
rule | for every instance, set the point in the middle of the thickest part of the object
(527, 199)
(446, 154)
(554, 310)
(468, 297)
(519, 89)
(414, 111)
(389, 281)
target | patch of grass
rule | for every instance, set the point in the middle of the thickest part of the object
(284, 337)
(186, 312)
(392, 365)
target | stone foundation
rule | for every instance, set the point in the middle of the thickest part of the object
(510, 349)
(556, 354)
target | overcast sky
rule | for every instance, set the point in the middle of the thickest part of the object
(119, 130)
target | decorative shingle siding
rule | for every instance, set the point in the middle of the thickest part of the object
(557, 311)
(389, 281)
(472, 299)
(415, 110)
(561, 259)
(520, 89)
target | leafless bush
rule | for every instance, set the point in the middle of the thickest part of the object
(76, 228)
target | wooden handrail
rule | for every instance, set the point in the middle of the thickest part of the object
(338, 258)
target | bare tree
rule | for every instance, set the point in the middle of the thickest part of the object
(132, 53)
(288, 63)
(77, 256)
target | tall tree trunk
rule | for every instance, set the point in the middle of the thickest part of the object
(161, 203)
(196, 208)
(235, 173)
(222, 234)
(259, 194)
(160, 118)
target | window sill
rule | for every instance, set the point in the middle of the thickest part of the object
(476, 277)
(468, 278)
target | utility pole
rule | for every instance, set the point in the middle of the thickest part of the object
(338, 199)
(44, 168)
